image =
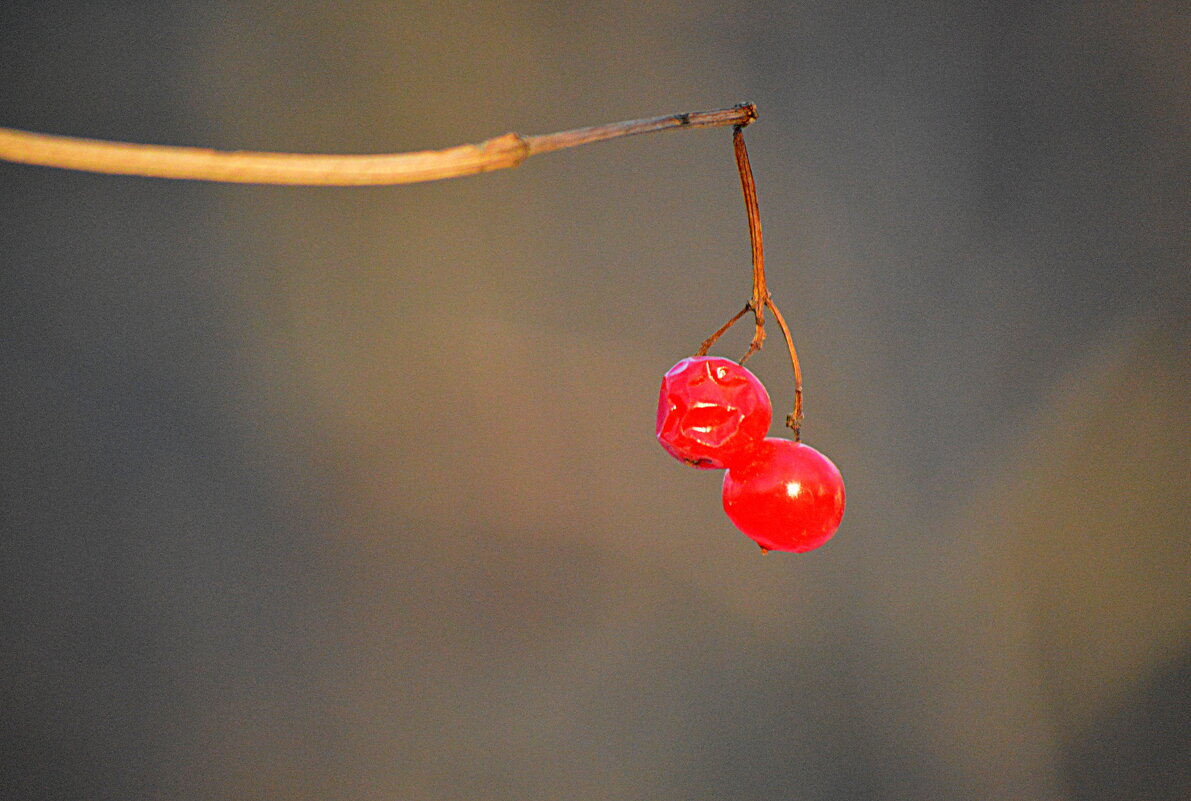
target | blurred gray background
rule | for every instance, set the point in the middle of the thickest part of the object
(353, 493)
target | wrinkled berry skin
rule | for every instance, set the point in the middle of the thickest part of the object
(712, 412)
(789, 498)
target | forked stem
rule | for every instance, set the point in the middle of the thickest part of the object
(761, 298)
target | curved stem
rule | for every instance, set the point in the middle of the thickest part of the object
(794, 419)
(199, 164)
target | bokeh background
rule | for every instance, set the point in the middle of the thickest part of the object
(353, 493)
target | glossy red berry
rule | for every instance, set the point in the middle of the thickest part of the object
(712, 412)
(789, 497)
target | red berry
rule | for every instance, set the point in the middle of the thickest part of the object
(712, 412)
(789, 497)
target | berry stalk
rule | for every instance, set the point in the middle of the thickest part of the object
(761, 299)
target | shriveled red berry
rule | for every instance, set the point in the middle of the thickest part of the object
(789, 497)
(712, 412)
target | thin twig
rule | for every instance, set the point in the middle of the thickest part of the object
(760, 289)
(247, 167)
(761, 298)
(739, 115)
(707, 343)
(794, 419)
